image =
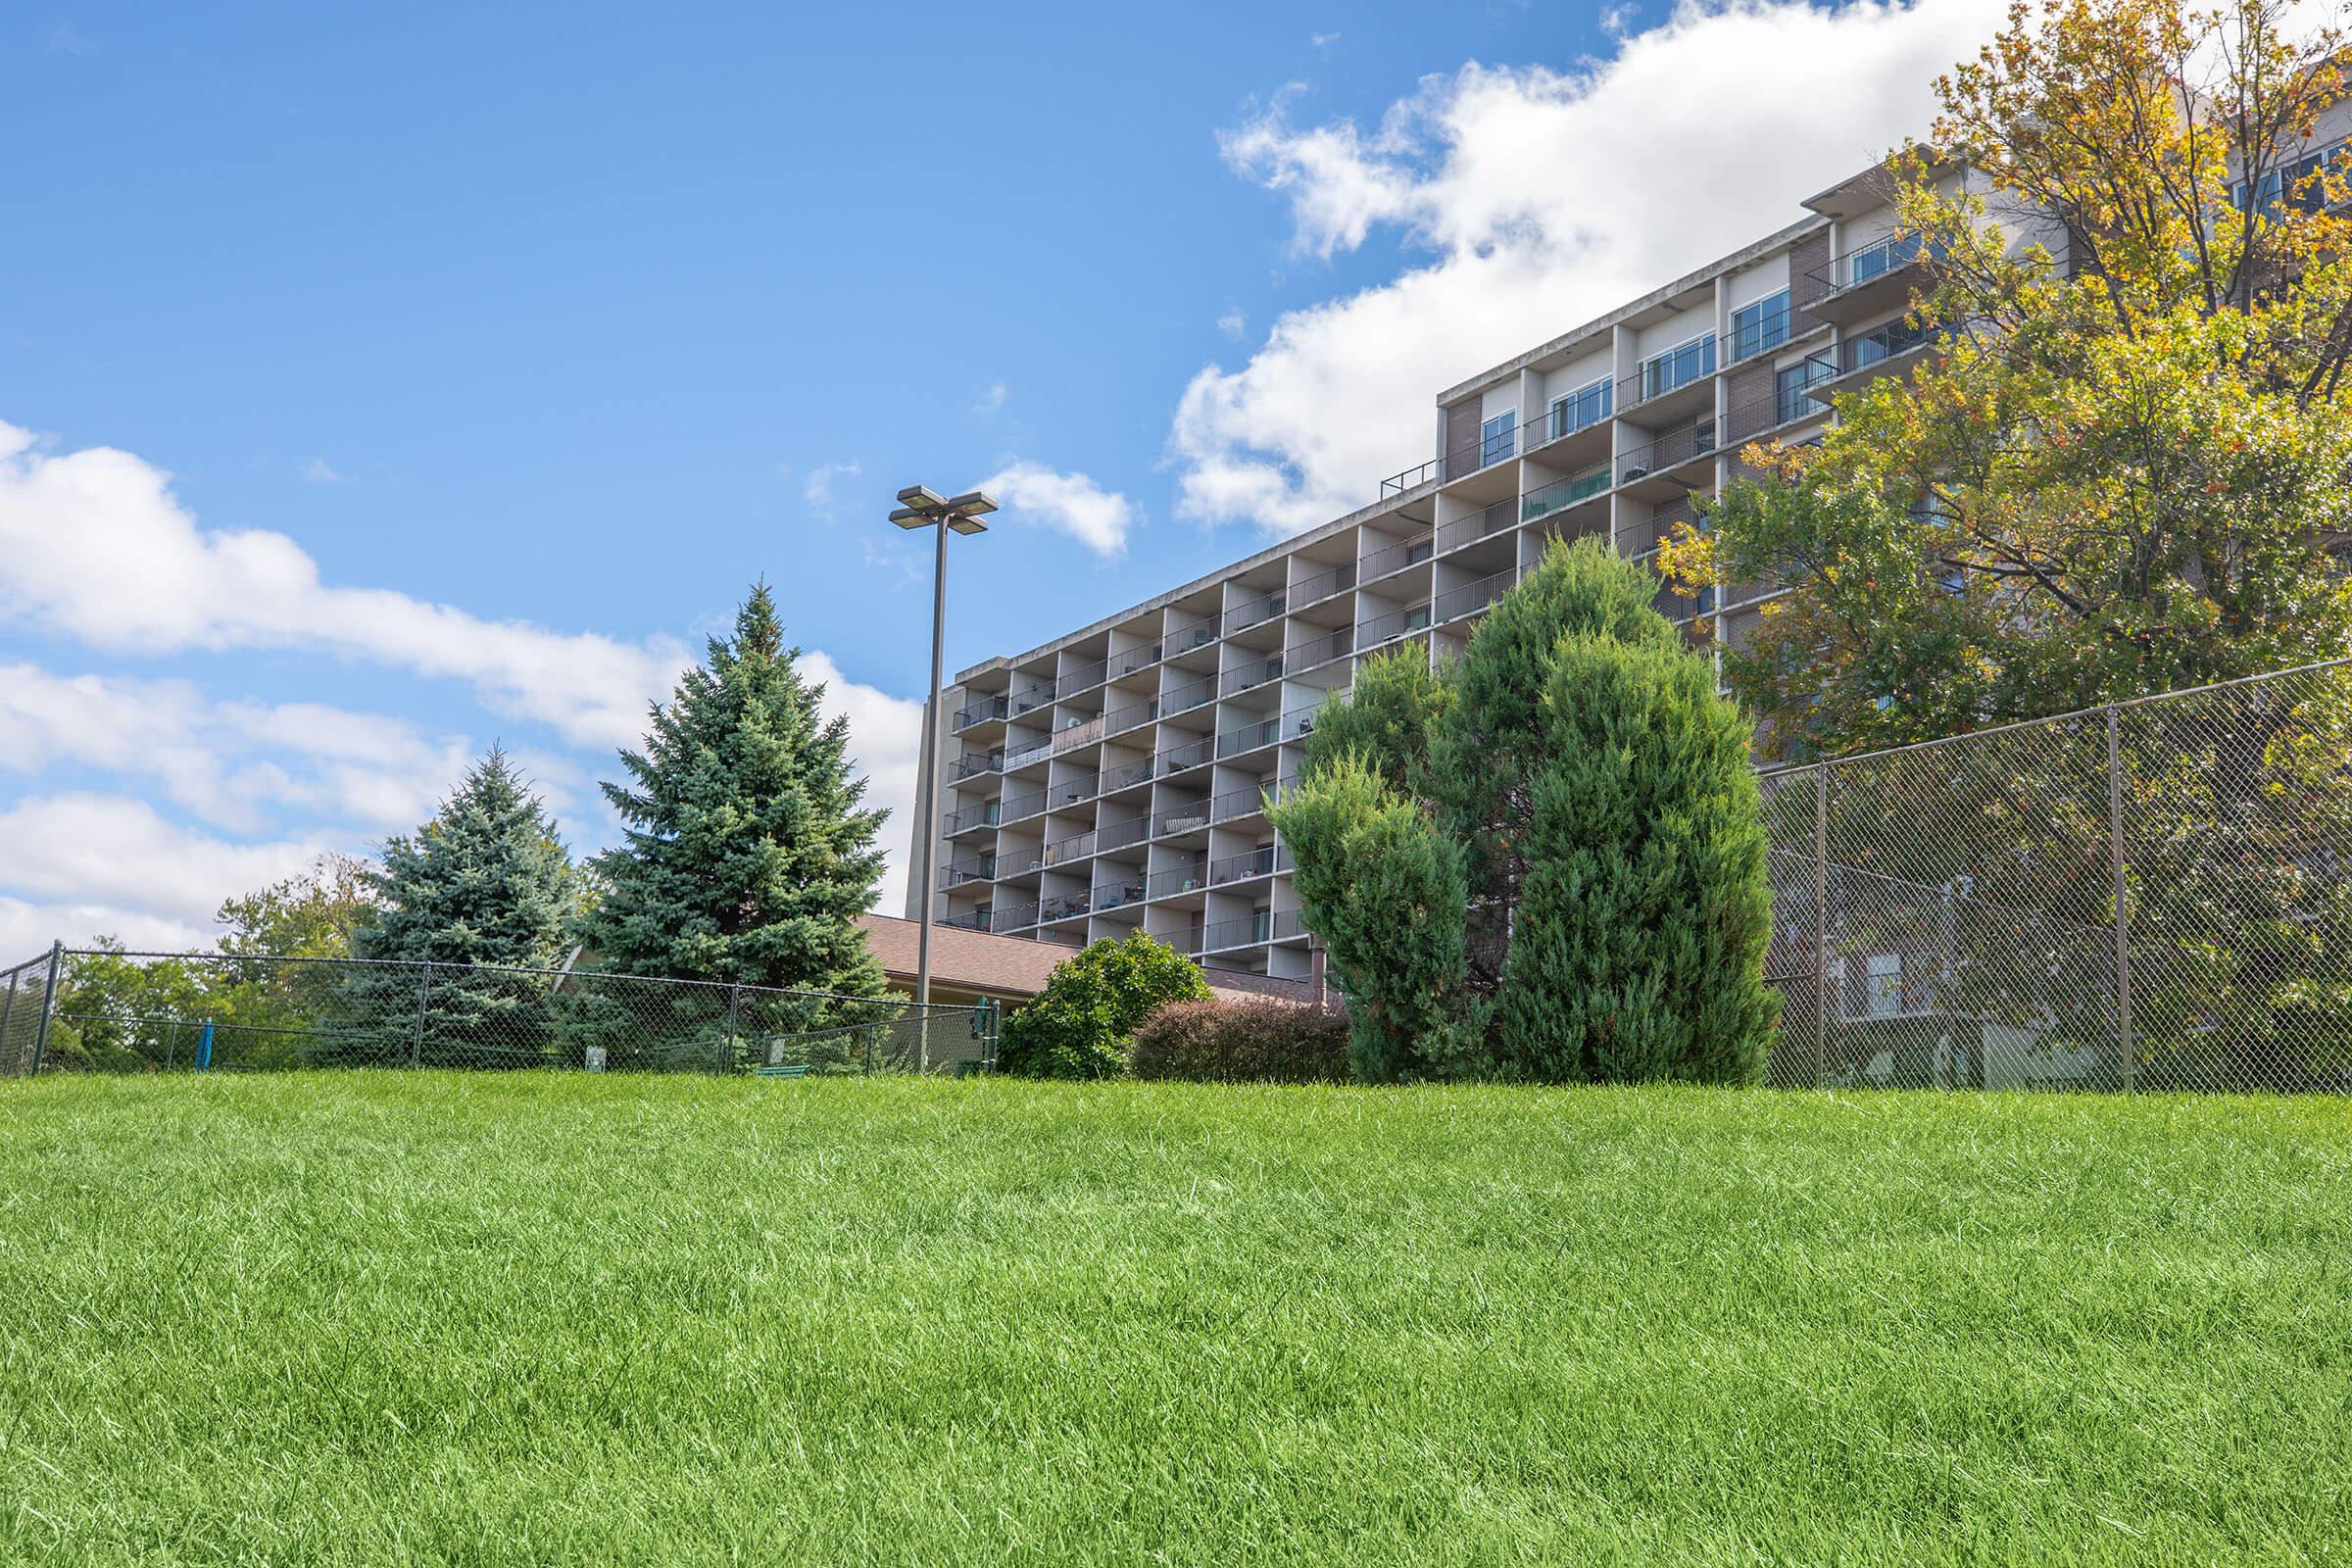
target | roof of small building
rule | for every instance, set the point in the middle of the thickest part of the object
(1009, 967)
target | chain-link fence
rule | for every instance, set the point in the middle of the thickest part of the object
(2152, 896)
(101, 1010)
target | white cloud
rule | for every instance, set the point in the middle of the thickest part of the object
(1233, 323)
(1322, 40)
(317, 472)
(234, 764)
(1072, 503)
(992, 399)
(86, 865)
(1544, 198)
(886, 742)
(94, 544)
(818, 490)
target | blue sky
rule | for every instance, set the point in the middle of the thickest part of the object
(575, 320)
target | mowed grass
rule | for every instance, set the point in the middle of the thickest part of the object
(425, 1318)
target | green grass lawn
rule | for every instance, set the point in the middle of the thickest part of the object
(428, 1318)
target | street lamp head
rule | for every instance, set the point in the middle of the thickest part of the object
(921, 498)
(973, 503)
(960, 523)
(909, 517)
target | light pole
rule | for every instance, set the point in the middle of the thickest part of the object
(919, 508)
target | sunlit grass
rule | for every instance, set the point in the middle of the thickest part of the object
(535, 1319)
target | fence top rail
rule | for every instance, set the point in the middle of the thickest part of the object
(2075, 715)
(747, 987)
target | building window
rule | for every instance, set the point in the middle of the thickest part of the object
(1677, 367)
(1760, 326)
(1898, 336)
(1586, 405)
(1796, 382)
(1497, 437)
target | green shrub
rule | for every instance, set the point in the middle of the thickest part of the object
(1261, 1039)
(1543, 860)
(1080, 1025)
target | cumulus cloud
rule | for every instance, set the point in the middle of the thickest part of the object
(234, 764)
(817, 490)
(95, 545)
(1071, 503)
(96, 548)
(1542, 198)
(85, 864)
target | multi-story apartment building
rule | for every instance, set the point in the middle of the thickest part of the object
(1114, 777)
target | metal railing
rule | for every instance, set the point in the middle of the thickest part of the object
(1874, 261)
(1250, 674)
(1482, 523)
(1322, 585)
(1336, 643)
(1761, 331)
(974, 712)
(107, 1010)
(1397, 556)
(1264, 861)
(1679, 367)
(1669, 449)
(1576, 411)
(1546, 500)
(1389, 626)
(1455, 602)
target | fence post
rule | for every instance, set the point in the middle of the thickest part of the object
(41, 1037)
(1821, 918)
(8, 1058)
(734, 1004)
(425, 989)
(2125, 1045)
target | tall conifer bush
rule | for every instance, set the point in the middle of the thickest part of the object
(1546, 860)
(746, 854)
(486, 882)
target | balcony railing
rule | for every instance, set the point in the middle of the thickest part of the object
(1387, 628)
(963, 920)
(1485, 520)
(1886, 342)
(1118, 895)
(1083, 733)
(1336, 643)
(963, 819)
(974, 712)
(1235, 804)
(1267, 732)
(1167, 883)
(1189, 635)
(956, 874)
(1077, 847)
(1250, 930)
(1013, 918)
(1133, 660)
(1889, 255)
(1262, 861)
(1397, 556)
(1054, 797)
(1322, 585)
(1678, 368)
(1185, 818)
(1035, 698)
(1119, 835)
(1063, 906)
(1244, 677)
(971, 762)
(1191, 753)
(1126, 774)
(1251, 612)
(1551, 498)
(1455, 602)
(1672, 447)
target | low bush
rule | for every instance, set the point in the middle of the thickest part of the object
(1259, 1040)
(1080, 1025)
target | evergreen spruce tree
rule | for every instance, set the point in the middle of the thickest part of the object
(486, 882)
(747, 856)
